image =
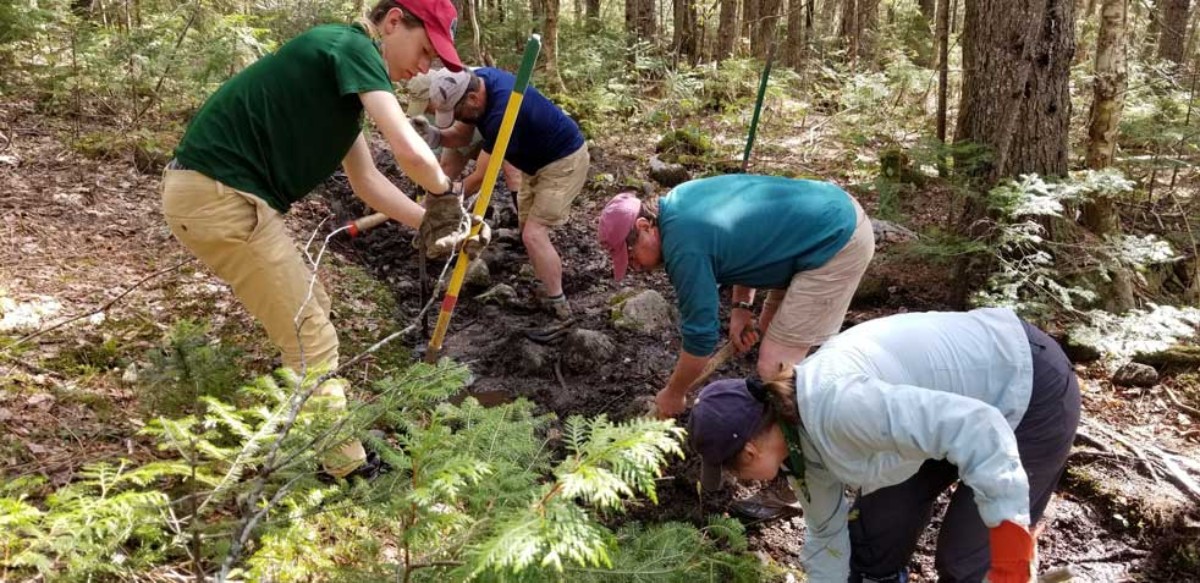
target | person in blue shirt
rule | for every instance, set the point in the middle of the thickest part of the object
(900, 408)
(807, 242)
(546, 146)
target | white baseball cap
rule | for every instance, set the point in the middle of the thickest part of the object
(446, 87)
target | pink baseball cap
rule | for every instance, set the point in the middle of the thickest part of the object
(616, 221)
(441, 24)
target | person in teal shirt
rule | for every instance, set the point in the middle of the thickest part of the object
(806, 242)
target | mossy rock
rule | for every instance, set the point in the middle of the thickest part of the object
(1174, 358)
(684, 145)
(896, 166)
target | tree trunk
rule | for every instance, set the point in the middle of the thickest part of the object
(750, 15)
(1099, 214)
(1109, 85)
(868, 19)
(1000, 87)
(829, 13)
(646, 20)
(537, 10)
(927, 10)
(554, 80)
(727, 29)
(1174, 14)
(943, 44)
(848, 31)
(1015, 103)
(685, 28)
(593, 15)
(793, 53)
(1042, 143)
(764, 30)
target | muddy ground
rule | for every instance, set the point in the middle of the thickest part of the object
(87, 233)
(1084, 528)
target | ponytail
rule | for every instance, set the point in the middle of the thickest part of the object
(779, 396)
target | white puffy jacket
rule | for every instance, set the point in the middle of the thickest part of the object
(880, 399)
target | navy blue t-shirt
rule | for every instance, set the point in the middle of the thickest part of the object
(542, 134)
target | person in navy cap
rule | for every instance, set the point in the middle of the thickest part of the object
(901, 408)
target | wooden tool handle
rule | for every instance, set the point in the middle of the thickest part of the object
(359, 226)
(720, 357)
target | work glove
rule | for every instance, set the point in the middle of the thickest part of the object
(446, 223)
(475, 245)
(431, 134)
(1012, 554)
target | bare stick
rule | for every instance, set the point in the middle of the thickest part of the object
(103, 308)
(1194, 412)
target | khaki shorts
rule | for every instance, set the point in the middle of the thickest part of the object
(546, 197)
(244, 242)
(810, 311)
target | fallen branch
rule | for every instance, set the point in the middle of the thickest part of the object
(1176, 475)
(101, 309)
(1194, 412)
(1143, 461)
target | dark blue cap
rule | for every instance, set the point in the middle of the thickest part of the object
(726, 415)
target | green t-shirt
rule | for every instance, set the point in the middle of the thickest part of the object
(284, 124)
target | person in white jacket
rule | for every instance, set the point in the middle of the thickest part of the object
(900, 408)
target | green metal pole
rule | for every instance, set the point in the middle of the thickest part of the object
(762, 91)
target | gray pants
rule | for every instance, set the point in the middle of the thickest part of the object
(889, 522)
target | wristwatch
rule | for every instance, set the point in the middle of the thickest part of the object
(748, 306)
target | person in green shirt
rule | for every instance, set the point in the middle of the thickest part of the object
(272, 133)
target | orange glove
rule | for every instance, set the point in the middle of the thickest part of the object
(1012, 554)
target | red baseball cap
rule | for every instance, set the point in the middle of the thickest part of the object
(616, 221)
(441, 24)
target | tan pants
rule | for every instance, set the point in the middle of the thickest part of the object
(547, 195)
(810, 311)
(244, 242)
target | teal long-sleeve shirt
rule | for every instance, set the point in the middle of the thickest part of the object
(753, 231)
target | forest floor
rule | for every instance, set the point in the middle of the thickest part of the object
(78, 232)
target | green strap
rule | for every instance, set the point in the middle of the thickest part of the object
(795, 456)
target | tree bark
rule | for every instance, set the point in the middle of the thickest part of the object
(764, 29)
(927, 10)
(1099, 214)
(943, 44)
(750, 16)
(1015, 103)
(793, 53)
(1173, 24)
(685, 28)
(868, 19)
(593, 15)
(554, 80)
(848, 31)
(727, 29)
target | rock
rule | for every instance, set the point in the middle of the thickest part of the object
(1078, 353)
(501, 294)
(873, 290)
(533, 358)
(585, 350)
(508, 236)
(1177, 357)
(1135, 375)
(647, 311)
(478, 274)
(527, 272)
(888, 233)
(667, 174)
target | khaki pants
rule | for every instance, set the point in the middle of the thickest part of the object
(244, 242)
(547, 195)
(810, 311)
